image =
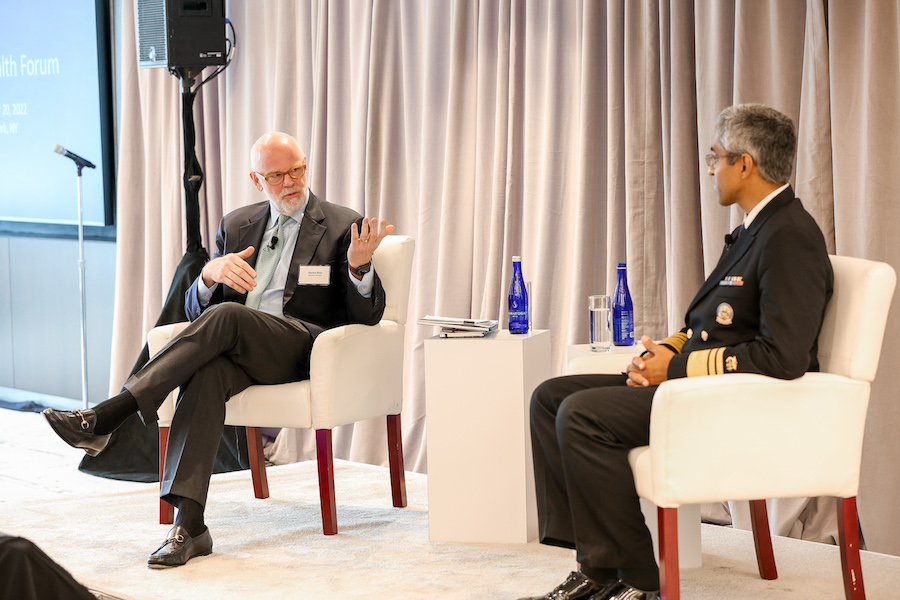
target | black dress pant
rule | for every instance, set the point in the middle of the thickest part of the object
(227, 349)
(582, 428)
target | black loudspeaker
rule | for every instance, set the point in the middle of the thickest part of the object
(181, 33)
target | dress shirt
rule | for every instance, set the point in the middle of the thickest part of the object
(761, 205)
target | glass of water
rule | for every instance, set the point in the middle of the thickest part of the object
(601, 320)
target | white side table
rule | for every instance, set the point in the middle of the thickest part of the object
(581, 359)
(480, 476)
(612, 362)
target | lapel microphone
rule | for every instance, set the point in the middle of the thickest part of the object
(273, 243)
(731, 238)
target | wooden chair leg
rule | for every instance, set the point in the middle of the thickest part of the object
(667, 527)
(395, 459)
(325, 458)
(166, 510)
(762, 539)
(848, 534)
(257, 462)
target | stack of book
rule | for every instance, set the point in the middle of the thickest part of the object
(452, 327)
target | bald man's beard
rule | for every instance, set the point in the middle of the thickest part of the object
(289, 206)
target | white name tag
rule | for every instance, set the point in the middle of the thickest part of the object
(315, 275)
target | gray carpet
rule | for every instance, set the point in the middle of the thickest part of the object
(102, 531)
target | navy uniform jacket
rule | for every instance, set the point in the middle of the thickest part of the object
(761, 309)
(323, 240)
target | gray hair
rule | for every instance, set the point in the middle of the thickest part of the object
(762, 132)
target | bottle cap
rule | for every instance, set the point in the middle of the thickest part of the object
(517, 259)
(621, 265)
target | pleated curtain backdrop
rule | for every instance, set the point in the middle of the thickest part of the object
(568, 132)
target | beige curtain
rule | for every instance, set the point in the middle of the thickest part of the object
(569, 132)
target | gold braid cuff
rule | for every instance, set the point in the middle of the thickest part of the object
(706, 362)
(675, 341)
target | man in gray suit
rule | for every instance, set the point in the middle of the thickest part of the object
(255, 311)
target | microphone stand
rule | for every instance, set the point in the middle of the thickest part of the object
(80, 163)
(81, 285)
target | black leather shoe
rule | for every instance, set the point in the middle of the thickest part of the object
(622, 591)
(179, 548)
(577, 586)
(76, 428)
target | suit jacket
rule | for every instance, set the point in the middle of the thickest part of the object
(323, 240)
(761, 309)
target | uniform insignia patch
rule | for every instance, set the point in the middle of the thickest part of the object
(731, 363)
(733, 280)
(724, 314)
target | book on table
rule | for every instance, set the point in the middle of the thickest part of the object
(461, 333)
(459, 327)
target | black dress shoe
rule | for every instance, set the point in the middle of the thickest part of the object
(622, 591)
(577, 586)
(179, 548)
(76, 428)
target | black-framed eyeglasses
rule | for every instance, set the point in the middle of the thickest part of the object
(277, 178)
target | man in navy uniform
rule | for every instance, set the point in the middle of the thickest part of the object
(760, 311)
(285, 269)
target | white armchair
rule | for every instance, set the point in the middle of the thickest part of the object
(329, 398)
(751, 437)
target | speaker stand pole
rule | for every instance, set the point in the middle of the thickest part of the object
(81, 285)
(193, 174)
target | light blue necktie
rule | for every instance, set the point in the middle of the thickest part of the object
(265, 266)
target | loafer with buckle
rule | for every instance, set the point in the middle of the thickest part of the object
(76, 428)
(577, 586)
(179, 548)
(622, 591)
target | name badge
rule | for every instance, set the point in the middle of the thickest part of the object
(315, 275)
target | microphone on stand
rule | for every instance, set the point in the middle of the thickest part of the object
(78, 160)
(81, 163)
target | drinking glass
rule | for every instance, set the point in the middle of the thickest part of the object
(601, 331)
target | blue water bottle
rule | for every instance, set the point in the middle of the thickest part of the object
(518, 299)
(623, 311)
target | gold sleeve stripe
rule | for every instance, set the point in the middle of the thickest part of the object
(697, 363)
(675, 341)
(719, 365)
(706, 362)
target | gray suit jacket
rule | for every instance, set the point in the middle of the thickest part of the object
(323, 240)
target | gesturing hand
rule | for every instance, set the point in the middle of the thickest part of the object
(232, 270)
(364, 242)
(652, 368)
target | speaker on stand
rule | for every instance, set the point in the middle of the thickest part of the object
(186, 36)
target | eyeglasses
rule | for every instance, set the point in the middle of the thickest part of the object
(277, 178)
(712, 158)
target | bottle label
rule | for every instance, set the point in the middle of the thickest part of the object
(623, 328)
(518, 316)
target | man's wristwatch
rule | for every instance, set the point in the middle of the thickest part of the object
(361, 269)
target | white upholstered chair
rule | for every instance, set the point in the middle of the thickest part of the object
(751, 437)
(373, 354)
